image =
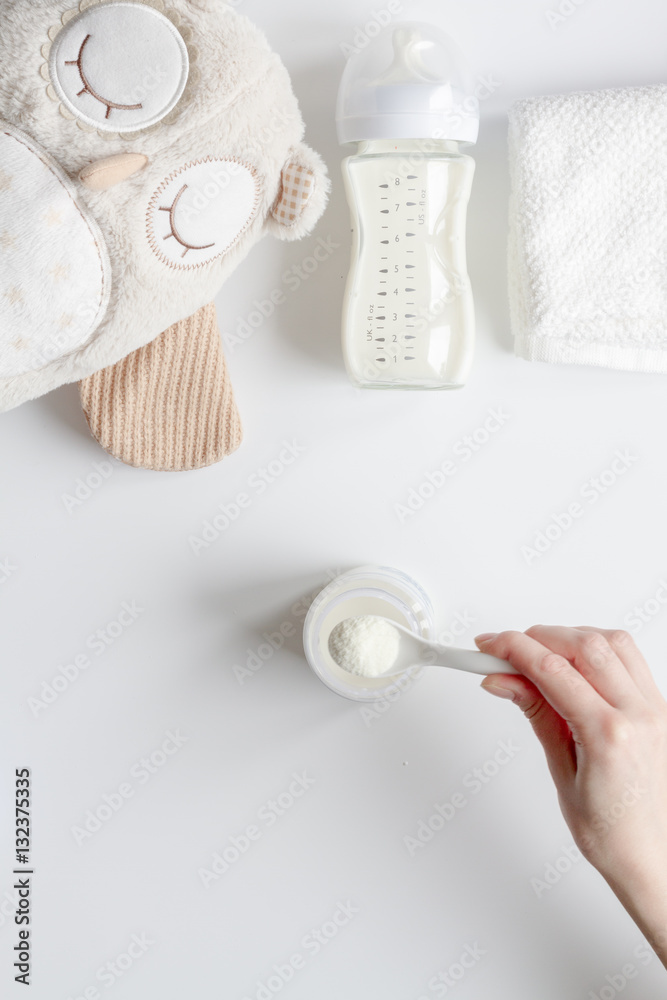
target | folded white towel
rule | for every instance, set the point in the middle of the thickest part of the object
(588, 228)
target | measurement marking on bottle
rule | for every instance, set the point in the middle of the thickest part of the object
(392, 330)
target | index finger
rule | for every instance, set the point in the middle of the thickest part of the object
(553, 675)
(630, 656)
(594, 657)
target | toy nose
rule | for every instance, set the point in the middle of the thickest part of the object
(106, 173)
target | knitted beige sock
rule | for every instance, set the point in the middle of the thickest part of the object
(170, 405)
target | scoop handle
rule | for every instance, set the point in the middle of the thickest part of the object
(472, 661)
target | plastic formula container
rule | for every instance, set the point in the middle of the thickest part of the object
(368, 590)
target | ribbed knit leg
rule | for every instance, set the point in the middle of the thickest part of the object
(170, 405)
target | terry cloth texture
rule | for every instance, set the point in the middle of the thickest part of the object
(168, 406)
(588, 228)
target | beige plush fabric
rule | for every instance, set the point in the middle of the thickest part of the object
(168, 406)
(238, 107)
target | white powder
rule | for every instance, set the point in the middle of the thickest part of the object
(365, 646)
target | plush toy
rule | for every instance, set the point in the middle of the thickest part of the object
(145, 147)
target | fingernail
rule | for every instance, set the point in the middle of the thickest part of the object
(500, 692)
(485, 637)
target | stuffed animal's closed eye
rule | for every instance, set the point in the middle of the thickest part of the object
(145, 147)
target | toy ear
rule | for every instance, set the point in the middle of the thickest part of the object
(302, 195)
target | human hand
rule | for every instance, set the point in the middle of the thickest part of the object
(594, 706)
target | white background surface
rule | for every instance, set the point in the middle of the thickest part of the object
(173, 669)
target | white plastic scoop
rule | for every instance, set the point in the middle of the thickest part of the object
(372, 646)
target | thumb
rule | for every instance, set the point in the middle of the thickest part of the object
(550, 728)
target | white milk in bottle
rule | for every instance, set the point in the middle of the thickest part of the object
(408, 316)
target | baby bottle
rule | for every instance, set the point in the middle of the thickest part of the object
(408, 315)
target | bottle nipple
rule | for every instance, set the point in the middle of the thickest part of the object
(408, 65)
(411, 82)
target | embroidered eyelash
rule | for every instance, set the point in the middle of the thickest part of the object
(174, 231)
(194, 76)
(157, 196)
(87, 88)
